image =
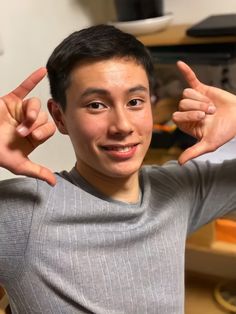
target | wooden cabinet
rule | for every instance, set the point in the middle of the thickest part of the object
(173, 44)
(205, 254)
(176, 35)
(3, 301)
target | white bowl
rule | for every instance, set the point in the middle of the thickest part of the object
(145, 26)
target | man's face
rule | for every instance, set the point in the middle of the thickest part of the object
(108, 117)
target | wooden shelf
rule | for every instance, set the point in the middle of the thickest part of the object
(199, 294)
(218, 259)
(220, 247)
(217, 248)
(176, 35)
(3, 301)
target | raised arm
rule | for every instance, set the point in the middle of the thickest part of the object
(205, 112)
(24, 126)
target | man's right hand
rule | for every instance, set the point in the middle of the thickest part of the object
(24, 126)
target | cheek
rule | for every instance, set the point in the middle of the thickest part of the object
(150, 121)
(86, 131)
(147, 122)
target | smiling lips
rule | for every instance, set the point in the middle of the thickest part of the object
(121, 151)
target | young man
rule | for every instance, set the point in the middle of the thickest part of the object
(108, 236)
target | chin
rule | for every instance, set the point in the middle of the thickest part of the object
(123, 172)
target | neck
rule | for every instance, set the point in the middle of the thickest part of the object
(120, 189)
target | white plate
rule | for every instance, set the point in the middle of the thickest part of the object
(141, 27)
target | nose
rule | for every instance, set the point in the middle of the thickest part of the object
(120, 123)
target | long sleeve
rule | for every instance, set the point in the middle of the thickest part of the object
(17, 199)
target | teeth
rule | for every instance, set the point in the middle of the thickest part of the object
(120, 149)
(123, 149)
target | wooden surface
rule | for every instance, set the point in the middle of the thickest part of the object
(3, 301)
(219, 259)
(204, 236)
(199, 297)
(176, 35)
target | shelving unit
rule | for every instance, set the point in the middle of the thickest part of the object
(199, 296)
(173, 44)
(3, 301)
(176, 35)
(219, 259)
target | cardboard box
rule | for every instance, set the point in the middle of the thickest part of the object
(205, 236)
(225, 230)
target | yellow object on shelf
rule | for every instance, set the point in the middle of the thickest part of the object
(225, 295)
(204, 236)
(225, 230)
(220, 230)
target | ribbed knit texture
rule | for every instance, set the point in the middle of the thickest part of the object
(68, 249)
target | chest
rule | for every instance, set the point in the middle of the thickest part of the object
(140, 266)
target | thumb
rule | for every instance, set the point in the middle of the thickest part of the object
(194, 151)
(30, 169)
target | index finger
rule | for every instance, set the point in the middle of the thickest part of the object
(29, 83)
(190, 77)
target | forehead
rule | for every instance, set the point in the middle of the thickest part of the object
(108, 71)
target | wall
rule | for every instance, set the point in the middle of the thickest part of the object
(30, 29)
(187, 11)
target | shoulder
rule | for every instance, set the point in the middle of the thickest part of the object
(19, 188)
(25, 191)
(169, 171)
(191, 168)
(188, 177)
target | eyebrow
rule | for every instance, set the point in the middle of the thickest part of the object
(138, 88)
(94, 90)
(100, 91)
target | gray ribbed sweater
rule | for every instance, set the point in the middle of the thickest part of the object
(67, 249)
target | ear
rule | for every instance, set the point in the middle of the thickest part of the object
(57, 115)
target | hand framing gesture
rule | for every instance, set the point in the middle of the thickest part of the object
(23, 126)
(205, 112)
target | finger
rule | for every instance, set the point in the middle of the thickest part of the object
(31, 108)
(29, 83)
(30, 114)
(43, 132)
(195, 95)
(191, 105)
(191, 77)
(30, 169)
(188, 116)
(27, 130)
(194, 151)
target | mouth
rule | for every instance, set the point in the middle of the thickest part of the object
(120, 148)
(121, 152)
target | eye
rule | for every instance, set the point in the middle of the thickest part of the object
(96, 105)
(135, 103)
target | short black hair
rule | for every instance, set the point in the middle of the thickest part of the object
(99, 42)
